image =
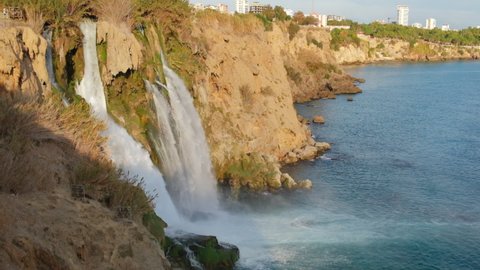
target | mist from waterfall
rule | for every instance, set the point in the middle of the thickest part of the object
(125, 152)
(183, 149)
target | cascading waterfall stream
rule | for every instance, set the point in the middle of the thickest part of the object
(125, 152)
(183, 148)
(47, 34)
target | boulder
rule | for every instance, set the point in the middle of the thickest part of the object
(305, 184)
(291, 157)
(319, 119)
(191, 251)
(288, 182)
(322, 147)
(275, 181)
(308, 152)
(155, 225)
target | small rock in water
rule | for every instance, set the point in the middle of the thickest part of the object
(350, 99)
(288, 181)
(319, 119)
(305, 184)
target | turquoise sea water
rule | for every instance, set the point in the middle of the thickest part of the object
(400, 188)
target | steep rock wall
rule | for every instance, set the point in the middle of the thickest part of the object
(312, 68)
(244, 98)
(123, 52)
(22, 61)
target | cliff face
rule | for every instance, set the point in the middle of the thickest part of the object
(312, 68)
(373, 50)
(252, 79)
(22, 61)
(45, 147)
(245, 99)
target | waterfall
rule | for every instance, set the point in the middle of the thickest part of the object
(125, 152)
(183, 148)
(47, 34)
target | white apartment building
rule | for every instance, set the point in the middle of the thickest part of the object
(323, 20)
(431, 24)
(445, 27)
(417, 25)
(402, 15)
(241, 6)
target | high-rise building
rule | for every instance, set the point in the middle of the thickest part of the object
(402, 15)
(241, 6)
(323, 20)
(431, 23)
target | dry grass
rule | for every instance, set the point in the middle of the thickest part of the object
(35, 19)
(21, 145)
(239, 23)
(118, 12)
(44, 146)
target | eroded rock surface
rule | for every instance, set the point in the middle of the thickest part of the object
(22, 61)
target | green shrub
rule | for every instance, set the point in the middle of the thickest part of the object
(470, 36)
(342, 37)
(250, 170)
(293, 29)
(293, 75)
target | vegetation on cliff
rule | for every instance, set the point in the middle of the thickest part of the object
(465, 37)
(345, 37)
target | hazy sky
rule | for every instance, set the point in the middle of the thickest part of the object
(457, 13)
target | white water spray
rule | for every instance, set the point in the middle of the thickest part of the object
(125, 152)
(183, 148)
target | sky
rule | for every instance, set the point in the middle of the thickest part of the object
(457, 13)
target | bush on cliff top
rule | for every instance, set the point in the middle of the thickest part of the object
(470, 36)
(342, 37)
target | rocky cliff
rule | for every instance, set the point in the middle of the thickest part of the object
(371, 50)
(46, 149)
(246, 94)
(22, 61)
(312, 68)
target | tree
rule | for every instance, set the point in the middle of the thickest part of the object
(280, 13)
(310, 20)
(298, 17)
(269, 13)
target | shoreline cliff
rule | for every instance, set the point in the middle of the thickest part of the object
(369, 50)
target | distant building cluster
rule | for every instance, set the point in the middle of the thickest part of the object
(244, 6)
(223, 8)
(402, 19)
